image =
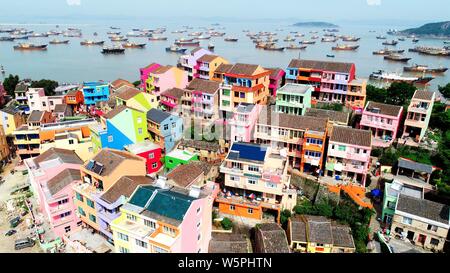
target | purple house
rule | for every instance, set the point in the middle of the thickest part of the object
(189, 61)
(146, 71)
(108, 204)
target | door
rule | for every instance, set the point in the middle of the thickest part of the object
(410, 235)
(422, 239)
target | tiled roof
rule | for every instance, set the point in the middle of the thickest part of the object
(60, 108)
(273, 237)
(342, 236)
(125, 186)
(272, 118)
(274, 72)
(423, 208)
(319, 229)
(243, 69)
(10, 110)
(20, 87)
(352, 136)
(111, 159)
(114, 112)
(207, 58)
(157, 115)
(65, 156)
(321, 65)
(384, 109)
(168, 206)
(337, 116)
(120, 82)
(184, 175)
(63, 179)
(298, 229)
(195, 50)
(247, 152)
(128, 93)
(416, 166)
(162, 69)
(173, 92)
(200, 145)
(223, 68)
(204, 86)
(228, 243)
(423, 95)
(36, 116)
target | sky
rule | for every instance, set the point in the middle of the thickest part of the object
(334, 11)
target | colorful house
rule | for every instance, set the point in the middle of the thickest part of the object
(418, 116)
(52, 175)
(256, 181)
(108, 203)
(64, 89)
(178, 157)
(206, 65)
(349, 154)
(219, 73)
(277, 79)
(294, 98)
(72, 135)
(94, 92)
(98, 175)
(2, 94)
(38, 101)
(303, 138)
(244, 83)
(203, 99)
(164, 128)
(383, 121)
(150, 151)
(164, 78)
(119, 127)
(10, 119)
(20, 93)
(189, 61)
(170, 99)
(74, 99)
(206, 150)
(334, 117)
(333, 82)
(5, 152)
(243, 122)
(161, 220)
(137, 99)
(145, 72)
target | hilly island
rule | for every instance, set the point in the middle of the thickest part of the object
(440, 29)
(316, 24)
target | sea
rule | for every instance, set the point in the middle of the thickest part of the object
(73, 63)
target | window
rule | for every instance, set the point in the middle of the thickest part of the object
(151, 155)
(270, 185)
(141, 243)
(253, 168)
(51, 103)
(432, 227)
(341, 148)
(81, 211)
(232, 207)
(93, 218)
(234, 178)
(70, 141)
(140, 131)
(123, 250)
(174, 125)
(199, 237)
(251, 181)
(407, 221)
(122, 236)
(250, 211)
(198, 210)
(159, 250)
(90, 203)
(166, 126)
(110, 139)
(154, 165)
(391, 205)
(169, 230)
(64, 201)
(65, 214)
(67, 229)
(131, 217)
(226, 92)
(79, 197)
(434, 241)
(150, 224)
(139, 120)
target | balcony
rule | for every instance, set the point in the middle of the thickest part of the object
(28, 151)
(354, 168)
(243, 201)
(107, 216)
(59, 209)
(377, 124)
(196, 99)
(415, 123)
(232, 171)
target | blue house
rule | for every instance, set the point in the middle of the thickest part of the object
(164, 128)
(94, 92)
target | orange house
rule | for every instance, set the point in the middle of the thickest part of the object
(75, 99)
(313, 150)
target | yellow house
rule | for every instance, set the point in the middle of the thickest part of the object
(10, 119)
(137, 99)
(207, 65)
(4, 147)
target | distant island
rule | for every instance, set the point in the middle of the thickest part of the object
(438, 30)
(316, 24)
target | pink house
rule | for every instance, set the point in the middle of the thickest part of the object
(164, 78)
(146, 71)
(37, 100)
(349, 154)
(277, 80)
(150, 151)
(243, 122)
(52, 175)
(189, 61)
(383, 121)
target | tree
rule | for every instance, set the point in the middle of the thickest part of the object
(48, 85)
(375, 94)
(324, 209)
(284, 217)
(399, 93)
(445, 90)
(389, 158)
(10, 84)
(227, 224)
(440, 119)
(136, 83)
(305, 208)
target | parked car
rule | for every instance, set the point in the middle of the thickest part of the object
(10, 232)
(23, 243)
(14, 222)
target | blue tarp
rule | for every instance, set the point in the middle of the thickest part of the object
(376, 192)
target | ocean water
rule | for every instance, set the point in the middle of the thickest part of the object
(75, 63)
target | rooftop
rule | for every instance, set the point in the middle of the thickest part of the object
(205, 86)
(207, 58)
(142, 147)
(128, 93)
(63, 155)
(243, 69)
(36, 116)
(423, 208)
(173, 92)
(157, 115)
(352, 136)
(125, 186)
(423, 95)
(63, 179)
(228, 243)
(269, 117)
(184, 175)
(245, 107)
(294, 88)
(319, 229)
(200, 145)
(383, 109)
(321, 65)
(223, 68)
(335, 116)
(415, 166)
(181, 154)
(107, 160)
(342, 236)
(250, 152)
(273, 237)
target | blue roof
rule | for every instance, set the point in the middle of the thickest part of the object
(167, 203)
(90, 84)
(157, 115)
(247, 152)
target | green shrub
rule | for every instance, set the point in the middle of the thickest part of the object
(227, 224)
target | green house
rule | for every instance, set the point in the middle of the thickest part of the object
(294, 99)
(391, 193)
(178, 157)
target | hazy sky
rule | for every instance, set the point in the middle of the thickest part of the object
(329, 10)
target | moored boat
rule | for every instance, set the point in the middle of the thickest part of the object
(295, 47)
(176, 49)
(30, 47)
(229, 39)
(58, 42)
(394, 77)
(350, 39)
(330, 56)
(157, 38)
(273, 47)
(6, 39)
(381, 37)
(397, 58)
(424, 69)
(390, 43)
(133, 45)
(345, 47)
(211, 46)
(187, 42)
(113, 50)
(91, 43)
(307, 42)
(388, 52)
(329, 40)
(118, 39)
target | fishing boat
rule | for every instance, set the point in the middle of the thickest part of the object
(30, 47)
(178, 31)
(381, 37)
(273, 47)
(195, 34)
(157, 38)
(395, 77)
(289, 38)
(187, 42)
(73, 34)
(345, 47)
(307, 42)
(295, 47)
(388, 52)
(330, 56)
(118, 39)
(229, 39)
(19, 37)
(202, 37)
(133, 45)
(137, 35)
(299, 35)
(433, 51)
(176, 49)
(6, 39)
(58, 42)
(415, 40)
(211, 46)
(38, 35)
(328, 40)
(73, 29)
(390, 43)
(350, 39)
(217, 34)
(113, 50)
(424, 69)
(114, 28)
(91, 43)
(401, 39)
(315, 37)
(113, 33)
(397, 58)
